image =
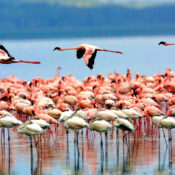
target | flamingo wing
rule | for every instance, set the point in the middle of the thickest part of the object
(80, 53)
(89, 57)
(4, 54)
(92, 60)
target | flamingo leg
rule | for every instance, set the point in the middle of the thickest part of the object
(165, 138)
(8, 134)
(36, 145)
(159, 146)
(9, 151)
(170, 148)
(106, 150)
(67, 135)
(101, 143)
(31, 154)
(77, 144)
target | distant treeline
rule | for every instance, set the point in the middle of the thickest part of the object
(42, 20)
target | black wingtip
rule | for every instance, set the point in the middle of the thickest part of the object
(90, 67)
(161, 42)
(56, 48)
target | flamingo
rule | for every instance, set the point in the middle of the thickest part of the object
(119, 113)
(81, 114)
(165, 43)
(124, 124)
(66, 115)
(42, 123)
(55, 113)
(168, 123)
(6, 58)
(8, 121)
(109, 103)
(132, 114)
(101, 126)
(88, 52)
(156, 120)
(31, 129)
(107, 115)
(75, 123)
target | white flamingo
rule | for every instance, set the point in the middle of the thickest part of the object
(9, 122)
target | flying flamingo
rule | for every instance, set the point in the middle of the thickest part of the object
(88, 52)
(6, 58)
(165, 43)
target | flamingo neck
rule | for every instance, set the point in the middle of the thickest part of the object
(73, 48)
(168, 44)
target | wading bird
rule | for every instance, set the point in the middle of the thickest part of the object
(165, 43)
(88, 52)
(9, 122)
(6, 58)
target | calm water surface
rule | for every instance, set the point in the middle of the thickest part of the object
(144, 154)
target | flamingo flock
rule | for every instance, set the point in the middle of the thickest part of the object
(97, 103)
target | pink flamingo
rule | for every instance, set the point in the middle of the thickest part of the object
(88, 52)
(6, 58)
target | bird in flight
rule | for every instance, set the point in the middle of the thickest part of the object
(6, 58)
(165, 43)
(88, 52)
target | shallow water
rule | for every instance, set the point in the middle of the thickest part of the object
(141, 54)
(141, 153)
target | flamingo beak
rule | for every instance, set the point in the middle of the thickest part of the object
(56, 48)
(162, 42)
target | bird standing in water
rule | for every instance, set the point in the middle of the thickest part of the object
(88, 52)
(6, 58)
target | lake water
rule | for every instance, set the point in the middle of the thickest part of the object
(141, 54)
(144, 154)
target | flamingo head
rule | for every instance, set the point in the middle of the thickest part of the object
(57, 48)
(162, 42)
